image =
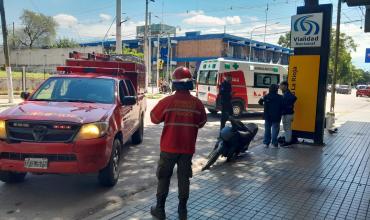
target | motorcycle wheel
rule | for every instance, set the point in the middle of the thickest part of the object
(213, 156)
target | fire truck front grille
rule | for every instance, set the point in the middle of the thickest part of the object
(50, 157)
(41, 131)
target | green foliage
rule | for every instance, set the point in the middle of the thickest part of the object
(133, 52)
(38, 30)
(65, 43)
(284, 40)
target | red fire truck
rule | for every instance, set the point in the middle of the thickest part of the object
(76, 121)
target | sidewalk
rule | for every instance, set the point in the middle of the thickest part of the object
(4, 102)
(305, 182)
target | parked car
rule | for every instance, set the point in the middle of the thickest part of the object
(76, 122)
(363, 91)
(344, 89)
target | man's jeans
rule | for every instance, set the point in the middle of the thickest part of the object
(287, 126)
(271, 132)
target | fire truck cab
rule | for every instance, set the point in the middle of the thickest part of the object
(250, 81)
(76, 121)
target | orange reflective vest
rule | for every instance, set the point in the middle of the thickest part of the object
(182, 114)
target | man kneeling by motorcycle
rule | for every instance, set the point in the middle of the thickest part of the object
(233, 140)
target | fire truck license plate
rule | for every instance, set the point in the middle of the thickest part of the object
(36, 163)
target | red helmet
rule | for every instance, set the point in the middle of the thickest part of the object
(181, 74)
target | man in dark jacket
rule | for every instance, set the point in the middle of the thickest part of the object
(273, 104)
(288, 112)
(226, 95)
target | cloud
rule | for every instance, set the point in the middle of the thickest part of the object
(191, 13)
(199, 18)
(105, 17)
(65, 20)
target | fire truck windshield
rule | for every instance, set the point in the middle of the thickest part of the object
(67, 89)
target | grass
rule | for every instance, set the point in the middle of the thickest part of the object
(153, 96)
(18, 75)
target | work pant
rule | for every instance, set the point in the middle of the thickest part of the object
(287, 127)
(167, 162)
(225, 113)
(271, 132)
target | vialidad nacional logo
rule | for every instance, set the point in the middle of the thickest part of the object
(304, 24)
(306, 30)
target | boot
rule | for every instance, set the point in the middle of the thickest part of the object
(158, 211)
(182, 209)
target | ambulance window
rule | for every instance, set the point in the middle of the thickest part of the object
(264, 80)
(212, 78)
(203, 77)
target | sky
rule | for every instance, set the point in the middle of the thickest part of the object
(89, 20)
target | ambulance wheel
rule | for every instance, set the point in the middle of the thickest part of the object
(237, 109)
(109, 175)
(212, 111)
(12, 177)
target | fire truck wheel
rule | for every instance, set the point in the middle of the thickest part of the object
(138, 136)
(109, 175)
(12, 177)
(237, 109)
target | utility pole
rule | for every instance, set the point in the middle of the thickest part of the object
(146, 53)
(6, 53)
(336, 58)
(118, 28)
(13, 37)
(158, 55)
(168, 57)
(150, 50)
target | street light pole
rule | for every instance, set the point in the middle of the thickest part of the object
(250, 43)
(146, 54)
(118, 28)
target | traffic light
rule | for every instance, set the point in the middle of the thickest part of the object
(160, 64)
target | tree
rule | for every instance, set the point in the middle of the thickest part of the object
(38, 30)
(346, 70)
(133, 52)
(284, 40)
(65, 43)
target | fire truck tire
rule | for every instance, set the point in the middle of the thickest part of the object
(212, 111)
(109, 175)
(138, 136)
(12, 177)
(237, 109)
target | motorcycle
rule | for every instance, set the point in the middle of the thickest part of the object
(233, 140)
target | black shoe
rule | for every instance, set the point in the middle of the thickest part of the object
(183, 213)
(285, 144)
(276, 145)
(158, 213)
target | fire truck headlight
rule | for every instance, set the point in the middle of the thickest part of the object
(2, 129)
(92, 130)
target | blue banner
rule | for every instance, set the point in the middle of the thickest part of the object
(367, 56)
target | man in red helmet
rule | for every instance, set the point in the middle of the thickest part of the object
(182, 114)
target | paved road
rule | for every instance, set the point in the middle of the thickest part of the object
(80, 197)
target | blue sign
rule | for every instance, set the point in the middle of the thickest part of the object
(367, 56)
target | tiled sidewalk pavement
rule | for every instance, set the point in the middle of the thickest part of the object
(305, 182)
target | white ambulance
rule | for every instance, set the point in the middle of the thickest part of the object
(250, 81)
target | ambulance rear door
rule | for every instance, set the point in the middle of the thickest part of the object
(207, 88)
